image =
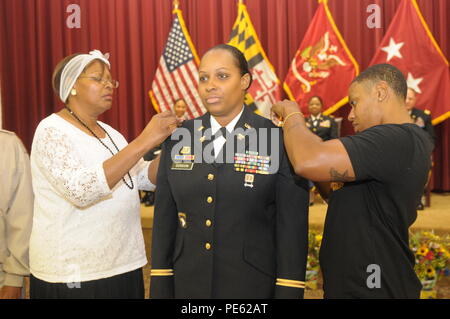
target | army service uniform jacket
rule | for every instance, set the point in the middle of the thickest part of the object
(229, 230)
(325, 127)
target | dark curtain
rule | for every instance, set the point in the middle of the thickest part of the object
(35, 37)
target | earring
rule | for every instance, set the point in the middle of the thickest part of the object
(73, 92)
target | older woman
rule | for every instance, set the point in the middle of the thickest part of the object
(233, 228)
(87, 240)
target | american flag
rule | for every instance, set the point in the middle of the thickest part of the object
(177, 73)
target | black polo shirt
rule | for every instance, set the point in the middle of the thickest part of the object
(367, 222)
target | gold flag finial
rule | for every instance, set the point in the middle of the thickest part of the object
(241, 1)
(176, 4)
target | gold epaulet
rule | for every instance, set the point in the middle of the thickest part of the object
(290, 283)
(161, 272)
(427, 112)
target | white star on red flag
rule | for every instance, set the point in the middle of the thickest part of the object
(393, 49)
(414, 83)
(410, 46)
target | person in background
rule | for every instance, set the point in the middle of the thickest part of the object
(86, 240)
(322, 125)
(179, 108)
(421, 118)
(16, 215)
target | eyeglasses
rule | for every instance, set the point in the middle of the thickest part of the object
(114, 83)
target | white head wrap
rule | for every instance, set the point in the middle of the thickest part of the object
(73, 69)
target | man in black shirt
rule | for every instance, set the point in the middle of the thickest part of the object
(365, 249)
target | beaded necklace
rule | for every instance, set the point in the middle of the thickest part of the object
(106, 146)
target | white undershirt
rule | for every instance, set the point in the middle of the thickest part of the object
(215, 126)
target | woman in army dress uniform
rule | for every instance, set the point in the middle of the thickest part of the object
(234, 228)
(323, 126)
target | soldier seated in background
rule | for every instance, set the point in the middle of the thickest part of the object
(179, 107)
(422, 118)
(323, 126)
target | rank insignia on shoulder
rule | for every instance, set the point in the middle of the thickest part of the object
(249, 179)
(427, 112)
(186, 150)
(182, 219)
(247, 126)
(202, 139)
(200, 128)
(240, 136)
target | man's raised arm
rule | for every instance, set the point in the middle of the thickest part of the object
(311, 157)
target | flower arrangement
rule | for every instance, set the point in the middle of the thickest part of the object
(432, 257)
(432, 253)
(312, 266)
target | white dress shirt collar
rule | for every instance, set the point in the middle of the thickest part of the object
(314, 118)
(215, 126)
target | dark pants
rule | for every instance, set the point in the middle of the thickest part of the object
(125, 286)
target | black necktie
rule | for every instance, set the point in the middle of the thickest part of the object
(223, 132)
(222, 153)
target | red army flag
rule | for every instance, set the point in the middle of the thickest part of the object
(409, 45)
(322, 65)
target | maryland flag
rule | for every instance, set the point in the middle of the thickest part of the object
(177, 73)
(323, 65)
(409, 45)
(265, 89)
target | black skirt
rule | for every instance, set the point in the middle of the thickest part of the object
(125, 286)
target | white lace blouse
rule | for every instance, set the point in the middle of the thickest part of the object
(82, 229)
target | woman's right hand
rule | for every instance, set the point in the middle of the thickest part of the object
(161, 126)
